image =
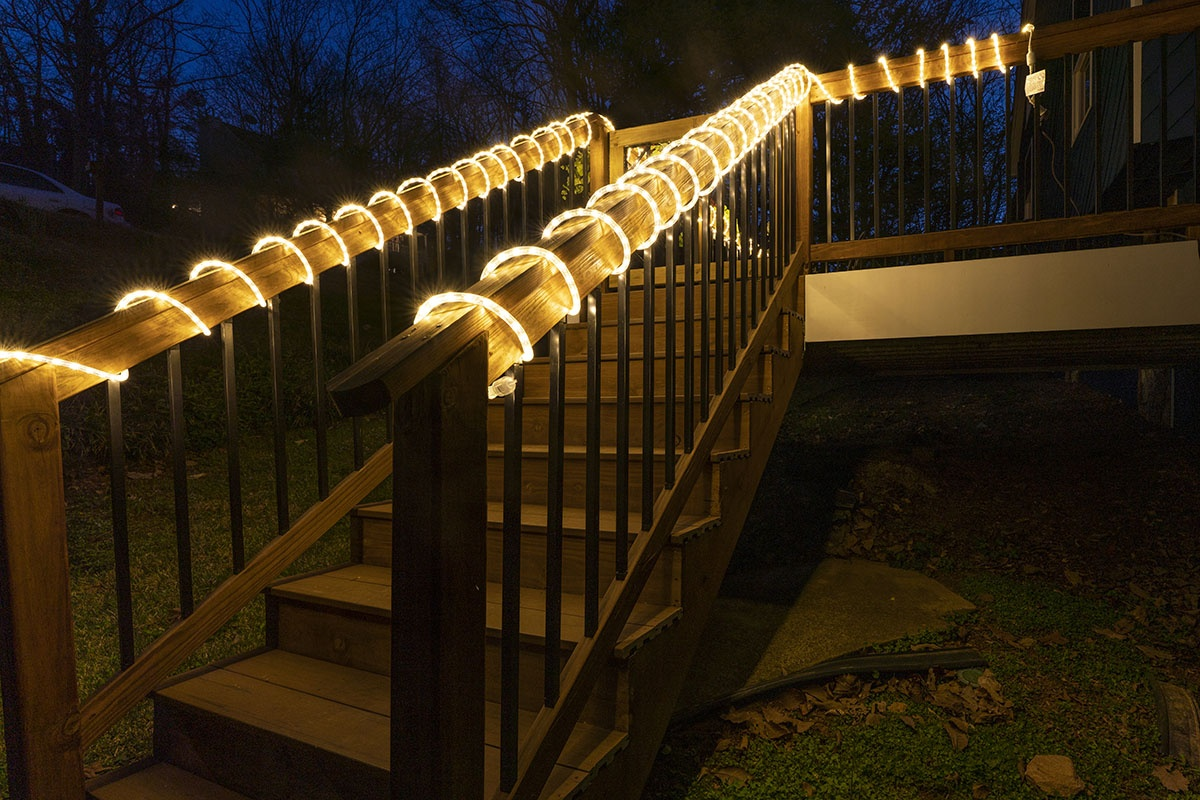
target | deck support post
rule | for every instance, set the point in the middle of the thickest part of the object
(439, 536)
(37, 657)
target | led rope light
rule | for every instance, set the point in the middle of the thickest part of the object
(516, 157)
(643, 169)
(474, 162)
(462, 184)
(750, 140)
(310, 224)
(607, 123)
(272, 241)
(974, 62)
(854, 84)
(141, 295)
(921, 72)
(738, 152)
(24, 355)
(996, 49)
(437, 201)
(596, 214)
(716, 163)
(887, 73)
(212, 265)
(721, 171)
(524, 137)
(387, 194)
(691, 171)
(765, 94)
(567, 130)
(946, 62)
(355, 208)
(445, 298)
(546, 255)
(557, 140)
(486, 176)
(587, 123)
(641, 192)
(758, 124)
(837, 101)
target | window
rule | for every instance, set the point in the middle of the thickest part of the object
(1082, 90)
(15, 176)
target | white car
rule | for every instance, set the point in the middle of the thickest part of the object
(40, 191)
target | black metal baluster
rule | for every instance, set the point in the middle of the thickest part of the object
(746, 287)
(717, 233)
(385, 312)
(926, 156)
(705, 318)
(591, 558)
(510, 590)
(541, 196)
(232, 449)
(647, 390)
(275, 345)
(901, 159)
(669, 360)
(439, 232)
(689, 330)
(1097, 151)
(1163, 91)
(1009, 199)
(414, 257)
(979, 150)
(737, 230)
(123, 581)
(1129, 155)
(760, 245)
(1068, 125)
(505, 221)
(486, 222)
(322, 406)
(851, 147)
(829, 171)
(622, 454)
(952, 170)
(875, 165)
(352, 315)
(183, 525)
(555, 438)
(1036, 178)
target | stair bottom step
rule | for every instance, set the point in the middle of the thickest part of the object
(230, 725)
(163, 782)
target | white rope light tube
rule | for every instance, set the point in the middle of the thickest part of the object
(24, 355)
(279, 241)
(437, 201)
(738, 152)
(708, 151)
(854, 84)
(921, 68)
(557, 124)
(355, 208)
(462, 183)
(387, 194)
(475, 162)
(142, 295)
(1000, 65)
(600, 216)
(688, 168)
(612, 188)
(524, 137)
(516, 157)
(304, 226)
(562, 150)
(587, 124)
(677, 196)
(503, 167)
(946, 62)
(213, 265)
(546, 255)
(974, 61)
(487, 303)
(887, 73)
(733, 151)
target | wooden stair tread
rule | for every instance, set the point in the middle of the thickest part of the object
(346, 711)
(367, 589)
(163, 782)
(533, 519)
(607, 452)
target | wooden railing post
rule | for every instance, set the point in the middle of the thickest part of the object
(439, 533)
(37, 649)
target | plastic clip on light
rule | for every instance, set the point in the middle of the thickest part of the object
(545, 255)
(214, 265)
(604, 219)
(142, 295)
(279, 241)
(355, 208)
(24, 355)
(446, 298)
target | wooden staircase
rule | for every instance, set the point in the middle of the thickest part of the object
(308, 715)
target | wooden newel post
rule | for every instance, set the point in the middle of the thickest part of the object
(439, 532)
(37, 644)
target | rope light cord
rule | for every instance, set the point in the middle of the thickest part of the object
(387, 194)
(507, 148)
(307, 225)
(462, 184)
(557, 140)
(545, 255)
(688, 168)
(672, 187)
(25, 355)
(604, 219)
(708, 151)
(447, 298)
(487, 178)
(142, 295)
(214, 265)
(279, 241)
(524, 137)
(437, 201)
(355, 208)
(612, 188)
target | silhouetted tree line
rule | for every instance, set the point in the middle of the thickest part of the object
(297, 103)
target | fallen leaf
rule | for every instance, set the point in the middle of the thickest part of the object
(1111, 634)
(768, 730)
(874, 719)
(1054, 775)
(979, 792)
(801, 726)
(1072, 577)
(1155, 653)
(958, 739)
(772, 713)
(729, 776)
(1054, 638)
(897, 708)
(741, 716)
(1172, 779)
(909, 721)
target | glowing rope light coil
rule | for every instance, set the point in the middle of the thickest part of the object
(1029, 60)
(596, 214)
(567, 130)
(745, 112)
(921, 70)
(142, 295)
(503, 167)
(837, 101)
(486, 303)
(524, 137)
(458, 176)
(887, 73)
(996, 50)
(666, 155)
(672, 187)
(854, 84)
(24, 355)
(974, 62)
(946, 62)
(387, 194)
(437, 201)
(473, 161)
(213, 265)
(612, 188)
(766, 112)
(763, 92)
(279, 241)
(355, 208)
(607, 123)
(733, 151)
(587, 125)
(557, 140)
(708, 151)
(737, 152)
(304, 226)
(516, 157)
(545, 255)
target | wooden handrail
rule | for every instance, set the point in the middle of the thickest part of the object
(121, 340)
(1139, 23)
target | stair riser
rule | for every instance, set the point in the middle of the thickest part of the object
(363, 641)
(662, 587)
(535, 421)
